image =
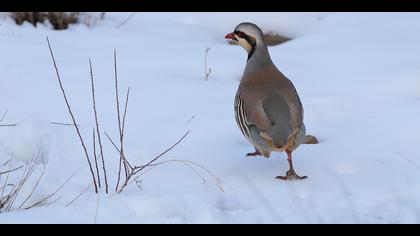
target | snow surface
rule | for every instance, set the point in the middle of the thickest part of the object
(357, 75)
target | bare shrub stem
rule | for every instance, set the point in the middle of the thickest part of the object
(121, 124)
(79, 195)
(45, 199)
(72, 116)
(63, 124)
(194, 167)
(9, 171)
(136, 169)
(97, 128)
(6, 125)
(126, 20)
(207, 72)
(95, 157)
(4, 115)
(34, 188)
(130, 171)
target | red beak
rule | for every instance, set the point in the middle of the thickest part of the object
(230, 36)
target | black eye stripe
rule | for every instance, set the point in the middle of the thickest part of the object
(240, 34)
(248, 38)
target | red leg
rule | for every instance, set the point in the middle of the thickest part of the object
(291, 174)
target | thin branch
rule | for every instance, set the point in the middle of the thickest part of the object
(63, 124)
(191, 119)
(80, 194)
(11, 197)
(163, 153)
(119, 175)
(380, 218)
(45, 199)
(9, 171)
(137, 169)
(9, 185)
(4, 115)
(97, 128)
(207, 72)
(112, 142)
(125, 109)
(117, 100)
(118, 150)
(72, 116)
(120, 162)
(95, 157)
(126, 20)
(33, 189)
(4, 186)
(120, 128)
(7, 162)
(8, 125)
(217, 181)
(52, 202)
(123, 133)
(408, 160)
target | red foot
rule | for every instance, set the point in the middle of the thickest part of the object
(291, 175)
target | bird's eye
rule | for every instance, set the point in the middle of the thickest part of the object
(240, 34)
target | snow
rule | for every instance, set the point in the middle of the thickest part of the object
(357, 75)
(27, 140)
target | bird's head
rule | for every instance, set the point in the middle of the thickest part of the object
(247, 35)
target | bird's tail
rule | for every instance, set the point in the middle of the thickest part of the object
(310, 139)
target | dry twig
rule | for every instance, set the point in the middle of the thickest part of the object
(6, 125)
(79, 195)
(97, 129)
(136, 169)
(44, 200)
(191, 119)
(95, 157)
(9, 171)
(126, 20)
(216, 181)
(207, 72)
(4, 115)
(121, 124)
(63, 124)
(72, 116)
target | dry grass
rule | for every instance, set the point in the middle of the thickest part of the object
(127, 172)
(82, 142)
(11, 187)
(5, 125)
(126, 20)
(59, 20)
(207, 71)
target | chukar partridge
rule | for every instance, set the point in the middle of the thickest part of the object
(268, 109)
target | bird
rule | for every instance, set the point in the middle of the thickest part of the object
(267, 107)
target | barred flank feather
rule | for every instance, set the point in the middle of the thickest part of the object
(241, 117)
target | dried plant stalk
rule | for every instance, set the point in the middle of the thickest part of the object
(72, 116)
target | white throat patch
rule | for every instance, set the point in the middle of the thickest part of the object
(243, 43)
